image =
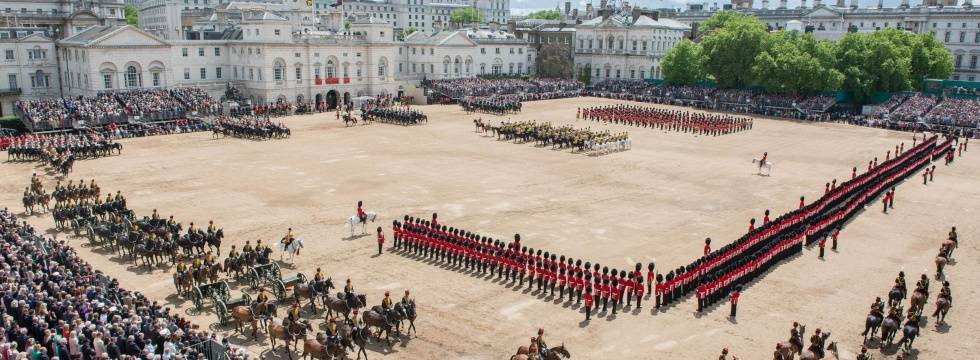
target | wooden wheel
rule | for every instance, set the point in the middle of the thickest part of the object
(276, 272)
(301, 277)
(198, 298)
(253, 278)
(279, 289)
(75, 227)
(91, 235)
(222, 310)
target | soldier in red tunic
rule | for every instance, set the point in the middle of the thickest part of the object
(588, 303)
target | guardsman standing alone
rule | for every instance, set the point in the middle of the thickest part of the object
(381, 240)
(733, 298)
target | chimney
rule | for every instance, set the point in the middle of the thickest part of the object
(494, 26)
(765, 4)
(568, 7)
(905, 4)
(589, 11)
(636, 14)
(854, 4)
(782, 4)
(575, 13)
(437, 25)
(512, 26)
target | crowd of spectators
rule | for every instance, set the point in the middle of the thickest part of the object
(56, 306)
(459, 88)
(889, 105)
(116, 107)
(958, 112)
(913, 108)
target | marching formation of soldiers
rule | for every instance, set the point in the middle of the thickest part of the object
(599, 286)
(395, 115)
(57, 148)
(498, 105)
(250, 127)
(87, 207)
(665, 119)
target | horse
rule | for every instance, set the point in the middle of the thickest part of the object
(184, 281)
(287, 332)
(259, 311)
(312, 290)
(871, 325)
(941, 261)
(895, 296)
(356, 220)
(788, 349)
(408, 313)
(918, 303)
(343, 305)
(292, 248)
(942, 307)
(767, 165)
(349, 119)
(555, 353)
(374, 318)
(352, 336)
(316, 349)
(909, 333)
(948, 246)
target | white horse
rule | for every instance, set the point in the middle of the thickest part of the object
(767, 165)
(292, 249)
(356, 220)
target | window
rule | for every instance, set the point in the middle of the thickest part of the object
(12, 80)
(946, 38)
(299, 73)
(331, 69)
(183, 52)
(217, 51)
(962, 36)
(976, 38)
(204, 73)
(132, 77)
(155, 76)
(200, 51)
(187, 73)
(277, 72)
(217, 72)
(634, 45)
(498, 50)
(276, 32)
(107, 81)
(632, 74)
(959, 60)
(381, 70)
(482, 51)
(973, 62)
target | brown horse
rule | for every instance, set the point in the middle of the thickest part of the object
(942, 307)
(353, 337)
(316, 349)
(555, 353)
(312, 291)
(288, 332)
(376, 319)
(941, 261)
(184, 282)
(243, 314)
(948, 246)
(342, 305)
(788, 349)
(918, 303)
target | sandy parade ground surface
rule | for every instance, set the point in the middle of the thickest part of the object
(656, 202)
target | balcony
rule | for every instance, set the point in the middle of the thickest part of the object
(346, 80)
(10, 92)
(318, 81)
(331, 81)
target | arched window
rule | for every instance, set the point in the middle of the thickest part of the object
(382, 68)
(131, 77)
(456, 67)
(277, 71)
(331, 69)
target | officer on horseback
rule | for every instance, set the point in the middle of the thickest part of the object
(900, 283)
(386, 306)
(360, 212)
(333, 336)
(406, 300)
(542, 346)
(211, 228)
(262, 296)
(232, 253)
(946, 293)
(294, 314)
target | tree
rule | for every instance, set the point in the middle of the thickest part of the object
(683, 64)
(466, 15)
(719, 19)
(554, 61)
(731, 49)
(930, 59)
(132, 15)
(796, 64)
(406, 32)
(347, 25)
(545, 15)
(585, 76)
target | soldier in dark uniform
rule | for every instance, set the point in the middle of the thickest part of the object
(262, 296)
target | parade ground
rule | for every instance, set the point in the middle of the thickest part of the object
(656, 202)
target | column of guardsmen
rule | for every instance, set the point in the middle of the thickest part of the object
(600, 287)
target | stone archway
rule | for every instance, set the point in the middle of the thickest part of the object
(346, 98)
(319, 100)
(331, 100)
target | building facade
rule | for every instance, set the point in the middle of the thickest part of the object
(957, 27)
(61, 18)
(448, 54)
(625, 46)
(29, 67)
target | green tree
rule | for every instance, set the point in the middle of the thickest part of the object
(466, 15)
(731, 49)
(132, 15)
(406, 32)
(719, 19)
(791, 63)
(930, 59)
(585, 76)
(683, 64)
(545, 15)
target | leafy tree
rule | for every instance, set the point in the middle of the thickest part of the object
(554, 61)
(731, 49)
(409, 31)
(466, 15)
(545, 15)
(132, 15)
(585, 76)
(930, 59)
(719, 19)
(796, 64)
(347, 25)
(683, 64)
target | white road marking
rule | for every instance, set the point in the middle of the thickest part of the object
(666, 345)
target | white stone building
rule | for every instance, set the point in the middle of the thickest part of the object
(28, 66)
(451, 54)
(424, 15)
(61, 18)
(625, 46)
(957, 27)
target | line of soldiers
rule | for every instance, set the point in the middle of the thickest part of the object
(665, 119)
(546, 271)
(65, 212)
(71, 193)
(396, 116)
(49, 147)
(498, 105)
